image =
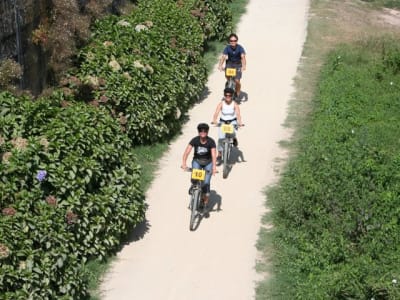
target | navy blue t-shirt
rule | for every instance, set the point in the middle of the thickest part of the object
(202, 152)
(234, 54)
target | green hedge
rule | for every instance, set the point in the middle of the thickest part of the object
(149, 77)
(69, 192)
(148, 68)
(69, 183)
(336, 210)
(214, 17)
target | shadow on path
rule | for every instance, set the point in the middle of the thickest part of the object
(137, 233)
(244, 97)
(214, 205)
(236, 156)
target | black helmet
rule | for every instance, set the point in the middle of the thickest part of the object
(228, 90)
(203, 126)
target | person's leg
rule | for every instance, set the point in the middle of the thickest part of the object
(221, 136)
(235, 140)
(206, 185)
(237, 88)
(237, 82)
(195, 164)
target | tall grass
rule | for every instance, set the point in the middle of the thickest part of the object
(335, 211)
(386, 3)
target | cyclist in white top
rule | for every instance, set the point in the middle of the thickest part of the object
(229, 112)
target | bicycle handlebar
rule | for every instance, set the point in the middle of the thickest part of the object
(220, 123)
(189, 169)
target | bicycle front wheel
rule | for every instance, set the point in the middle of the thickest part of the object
(230, 83)
(225, 158)
(194, 205)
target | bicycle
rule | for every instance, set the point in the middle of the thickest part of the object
(230, 74)
(227, 143)
(196, 212)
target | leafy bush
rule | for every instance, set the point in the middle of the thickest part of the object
(215, 17)
(69, 192)
(146, 69)
(336, 209)
(10, 70)
(69, 183)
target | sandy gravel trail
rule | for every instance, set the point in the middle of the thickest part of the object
(217, 261)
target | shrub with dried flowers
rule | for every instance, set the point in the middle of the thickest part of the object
(8, 211)
(91, 169)
(10, 70)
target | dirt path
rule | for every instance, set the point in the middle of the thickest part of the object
(217, 261)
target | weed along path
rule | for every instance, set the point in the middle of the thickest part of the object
(217, 261)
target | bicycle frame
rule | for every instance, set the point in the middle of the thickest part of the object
(230, 74)
(227, 144)
(198, 176)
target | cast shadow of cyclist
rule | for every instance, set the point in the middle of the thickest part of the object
(236, 156)
(244, 97)
(214, 205)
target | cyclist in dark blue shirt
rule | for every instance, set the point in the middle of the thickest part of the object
(234, 56)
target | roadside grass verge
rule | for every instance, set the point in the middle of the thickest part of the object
(334, 212)
(149, 156)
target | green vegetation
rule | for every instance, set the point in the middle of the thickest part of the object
(10, 71)
(386, 3)
(70, 191)
(146, 68)
(71, 185)
(331, 232)
(335, 211)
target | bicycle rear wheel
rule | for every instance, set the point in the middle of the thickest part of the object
(194, 205)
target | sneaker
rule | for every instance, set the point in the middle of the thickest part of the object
(235, 142)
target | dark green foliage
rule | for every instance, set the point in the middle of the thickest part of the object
(214, 17)
(88, 201)
(159, 70)
(70, 186)
(337, 209)
(148, 68)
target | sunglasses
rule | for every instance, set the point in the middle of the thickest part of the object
(203, 130)
(228, 95)
(233, 41)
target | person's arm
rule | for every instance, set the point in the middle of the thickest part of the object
(214, 160)
(222, 60)
(185, 156)
(243, 58)
(238, 116)
(217, 110)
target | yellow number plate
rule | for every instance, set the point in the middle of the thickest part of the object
(230, 72)
(198, 174)
(227, 128)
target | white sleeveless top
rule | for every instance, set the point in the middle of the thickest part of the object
(228, 111)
